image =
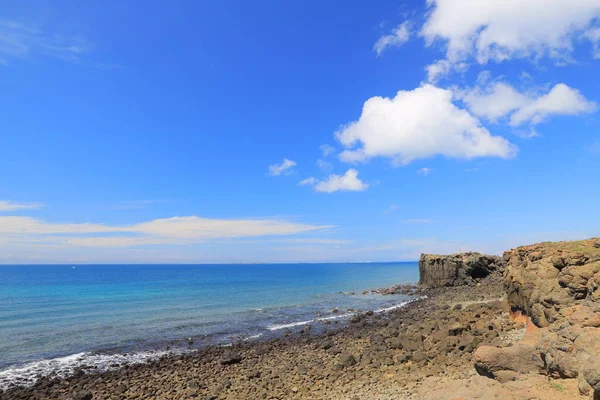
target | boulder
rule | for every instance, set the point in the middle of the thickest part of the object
(457, 269)
(231, 358)
(86, 395)
(521, 358)
(346, 360)
(590, 372)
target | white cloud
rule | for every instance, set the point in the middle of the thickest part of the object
(326, 149)
(176, 230)
(494, 101)
(307, 181)
(398, 37)
(500, 99)
(347, 182)
(501, 30)
(11, 206)
(441, 68)
(21, 40)
(561, 100)
(416, 124)
(278, 169)
(424, 171)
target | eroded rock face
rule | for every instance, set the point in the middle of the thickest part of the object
(555, 281)
(558, 286)
(457, 269)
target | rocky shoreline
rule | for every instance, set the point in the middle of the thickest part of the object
(477, 334)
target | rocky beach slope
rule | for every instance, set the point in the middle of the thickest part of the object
(524, 326)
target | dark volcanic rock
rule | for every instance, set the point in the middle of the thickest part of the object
(457, 269)
(230, 359)
(84, 396)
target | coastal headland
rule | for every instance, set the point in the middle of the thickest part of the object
(522, 326)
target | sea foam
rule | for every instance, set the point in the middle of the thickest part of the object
(27, 374)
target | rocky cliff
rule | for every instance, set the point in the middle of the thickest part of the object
(556, 285)
(457, 269)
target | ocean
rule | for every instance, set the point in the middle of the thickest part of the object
(54, 318)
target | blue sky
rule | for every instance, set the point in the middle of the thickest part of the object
(271, 131)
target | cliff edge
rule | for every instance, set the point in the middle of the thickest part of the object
(457, 269)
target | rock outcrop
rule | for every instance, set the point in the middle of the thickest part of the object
(555, 281)
(556, 285)
(457, 269)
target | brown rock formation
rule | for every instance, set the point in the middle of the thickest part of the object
(558, 286)
(457, 269)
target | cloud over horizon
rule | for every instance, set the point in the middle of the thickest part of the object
(12, 206)
(174, 230)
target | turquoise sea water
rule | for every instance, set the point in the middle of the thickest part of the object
(97, 314)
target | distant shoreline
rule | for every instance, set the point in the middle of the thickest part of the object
(214, 359)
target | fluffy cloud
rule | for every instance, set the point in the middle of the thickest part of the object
(561, 100)
(500, 99)
(398, 37)
(415, 124)
(424, 171)
(494, 101)
(278, 169)
(11, 206)
(176, 230)
(501, 30)
(347, 182)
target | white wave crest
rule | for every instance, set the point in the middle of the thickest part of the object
(62, 367)
(300, 323)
